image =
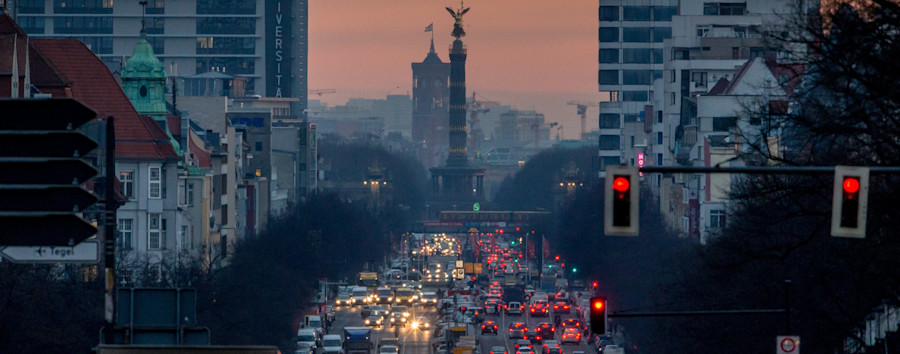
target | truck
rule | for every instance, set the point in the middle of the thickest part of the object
(368, 279)
(357, 340)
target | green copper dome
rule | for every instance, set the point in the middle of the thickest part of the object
(143, 62)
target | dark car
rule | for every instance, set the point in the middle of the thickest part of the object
(489, 327)
(539, 309)
(517, 330)
(572, 323)
(562, 307)
(523, 343)
(545, 330)
(535, 337)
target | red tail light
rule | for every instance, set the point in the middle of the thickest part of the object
(510, 329)
(482, 326)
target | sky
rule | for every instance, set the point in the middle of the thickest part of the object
(529, 54)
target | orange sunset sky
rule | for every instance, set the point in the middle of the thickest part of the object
(530, 54)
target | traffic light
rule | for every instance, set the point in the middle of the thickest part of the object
(556, 258)
(598, 315)
(42, 160)
(850, 199)
(621, 197)
(595, 284)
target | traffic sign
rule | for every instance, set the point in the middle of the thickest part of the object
(87, 251)
(42, 168)
(476, 207)
(787, 345)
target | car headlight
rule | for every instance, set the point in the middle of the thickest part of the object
(415, 325)
(406, 314)
(367, 321)
(392, 319)
(426, 325)
(338, 302)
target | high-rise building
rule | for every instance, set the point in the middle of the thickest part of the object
(262, 41)
(630, 58)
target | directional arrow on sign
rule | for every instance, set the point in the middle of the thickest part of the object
(25, 229)
(88, 251)
(45, 198)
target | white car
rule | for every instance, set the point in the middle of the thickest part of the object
(307, 336)
(388, 349)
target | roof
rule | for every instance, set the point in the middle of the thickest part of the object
(199, 155)
(738, 76)
(88, 80)
(719, 87)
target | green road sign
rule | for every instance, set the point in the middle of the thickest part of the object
(476, 207)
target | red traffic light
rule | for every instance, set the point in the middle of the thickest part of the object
(556, 258)
(851, 185)
(621, 184)
(598, 304)
(595, 284)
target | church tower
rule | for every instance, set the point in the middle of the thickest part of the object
(431, 96)
(144, 80)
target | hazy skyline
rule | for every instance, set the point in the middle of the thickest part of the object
(529, 54)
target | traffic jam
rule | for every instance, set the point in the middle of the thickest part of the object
(464, 293)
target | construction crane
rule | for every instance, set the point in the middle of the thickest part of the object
(321, 92)
(477, 106)
(582, 111)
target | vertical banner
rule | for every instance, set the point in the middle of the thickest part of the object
(279, 75)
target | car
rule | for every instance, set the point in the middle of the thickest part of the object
(307, 336)
(304, 348)
(343, 299)
(524, 350)
(359, 295)
(514, 308)
(492, 306)
(429, 298)
(377, 310)
(562, 307)
(551, 347)
(517, 330)
(522, 343)
(572, 323)
(534, 337)
(388, 349)
(571, 335)
(545, 329)
(374, 321)
(539, 309)
(489, 327)
(421, 323)
(498, 350)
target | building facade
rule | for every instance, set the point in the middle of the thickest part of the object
(430, 108)
(262, 41)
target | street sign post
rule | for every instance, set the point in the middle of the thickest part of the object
(42, 169)
(87, 251)
(787, 345)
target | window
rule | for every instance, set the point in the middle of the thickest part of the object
(224, 220)
(127, 180)
(636, 55)
(609, 142)
(185, 237)
(154, 230)
(671, 98)
(609, 13)
(664, 13)
(659, 159)
(632, 117)
(155, 186)
(228, 65)
(636, 13)
(156, 7)
(608, 77)
(657, 55)
(608, 161)
(635, 96)
(724, 9)
(699, 78)
(226, 25)
(717, 218)
(659, 116)
(637, 77)
(98, 45)
(32, 25)
(659, 138)
(226, 7)
(82, 6)
(226, 45)
(661, 33)
(83, 25)
(126, 228)
(258, 146)
(608, 56)
(30, 7)
(190, 194)
(155, 25)
(636, 34)
(724, 124)
(608, 34)
(158, 44)
(609, 121)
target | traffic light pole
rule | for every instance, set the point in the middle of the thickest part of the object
(109, 234)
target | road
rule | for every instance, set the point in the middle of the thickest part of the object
(413, 340)
(502, 338)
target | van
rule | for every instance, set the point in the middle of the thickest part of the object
(313, 322)
(332, 344)
(307, 336)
